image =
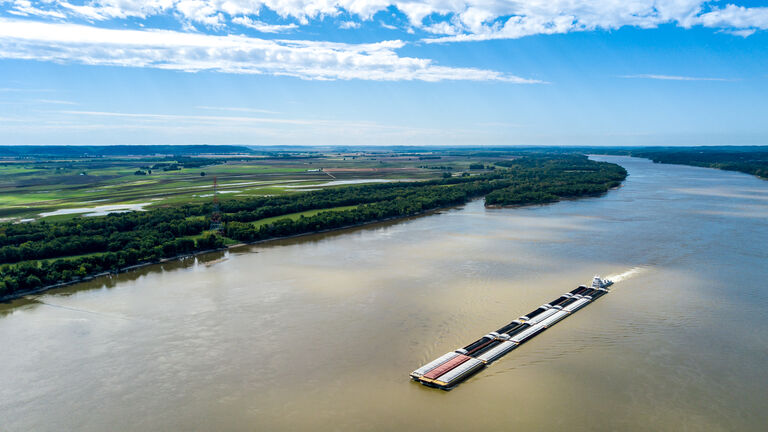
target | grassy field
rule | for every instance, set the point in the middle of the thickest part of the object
(30, 189)
(307, 213)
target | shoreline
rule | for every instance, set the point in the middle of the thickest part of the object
(568, 198)
(15, 296)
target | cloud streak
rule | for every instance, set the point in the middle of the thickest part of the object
(236, 109)
(77, 126)
(674, 78)
(458, 20)
(517, 19)
(194, 118)
(54, 102)
(260, 123)
(195, 52)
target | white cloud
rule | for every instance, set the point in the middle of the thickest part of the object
(468, 19)
(264, 27)
(106, 9)
(442, 28)
(90, 12)
(732, 16)
(25, 8)
(192, 52)
(347, 25)
(743, 33)
(674, 78)
(387, 26)
(516, 19)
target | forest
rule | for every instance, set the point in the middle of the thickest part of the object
(40, 254)
(749, 160)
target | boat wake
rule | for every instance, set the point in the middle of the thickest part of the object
(634, 271)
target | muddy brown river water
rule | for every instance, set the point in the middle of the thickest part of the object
(320, 332)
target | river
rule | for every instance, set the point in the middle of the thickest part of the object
(320, 332)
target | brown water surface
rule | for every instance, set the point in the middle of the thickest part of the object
(320, 332)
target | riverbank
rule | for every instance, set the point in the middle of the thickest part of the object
(752, 160)
(37, 256)
(15, 296)
(568, 198)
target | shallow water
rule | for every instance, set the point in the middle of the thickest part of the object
(320, 332)
(98, 210)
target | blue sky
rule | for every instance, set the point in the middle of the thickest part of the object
(380, 72)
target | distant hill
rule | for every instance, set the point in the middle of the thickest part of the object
(118, 150)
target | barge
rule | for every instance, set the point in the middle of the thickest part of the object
(450, 369)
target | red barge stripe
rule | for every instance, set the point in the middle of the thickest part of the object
(445, 367)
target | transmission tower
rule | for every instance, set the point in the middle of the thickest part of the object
(216, 224)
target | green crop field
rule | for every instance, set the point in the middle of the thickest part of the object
(44, 189)
(298, 215)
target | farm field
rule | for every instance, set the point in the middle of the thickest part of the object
(51, 189)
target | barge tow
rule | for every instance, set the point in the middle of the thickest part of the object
(452, 368)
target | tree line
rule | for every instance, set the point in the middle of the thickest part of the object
(748, 161)
(38, 254)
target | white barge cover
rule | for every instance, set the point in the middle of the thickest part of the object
(542, 316)
(497, 351)
(433, 364)
(549, 322)
(525, 334)
(459, 372)
(576, 305)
